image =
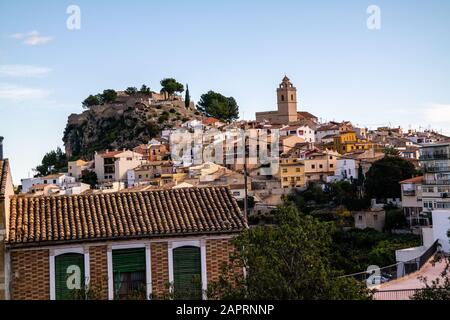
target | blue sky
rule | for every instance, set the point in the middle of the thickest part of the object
(397, 75)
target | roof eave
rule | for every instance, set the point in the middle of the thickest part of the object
(24, 245)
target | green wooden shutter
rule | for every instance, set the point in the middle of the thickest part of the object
(67, 269)
(187, 272)
(128, 260)
(129, 272)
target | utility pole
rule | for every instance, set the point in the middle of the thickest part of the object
(245, 178)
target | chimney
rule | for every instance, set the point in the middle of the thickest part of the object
(1, 148)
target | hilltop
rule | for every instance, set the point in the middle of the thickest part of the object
(127, 121)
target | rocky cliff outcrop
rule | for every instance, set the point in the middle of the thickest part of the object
(126, 123)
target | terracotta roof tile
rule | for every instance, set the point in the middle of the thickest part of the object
(44, 219)
(415, 180)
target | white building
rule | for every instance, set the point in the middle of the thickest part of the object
(325, 131)
(304, 131)
(113, 165)
(60, 180)
(54, 190)
(441, 227)
(346, 169)
(75, 168)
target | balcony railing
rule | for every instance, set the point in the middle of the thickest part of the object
(436, 156)
(437, 169)
(436, 182)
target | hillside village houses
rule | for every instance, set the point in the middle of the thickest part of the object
(308, 151)
(122, 216)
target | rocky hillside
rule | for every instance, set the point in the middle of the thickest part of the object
(125, 123)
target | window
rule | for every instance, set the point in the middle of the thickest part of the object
(282, 97)
(320, 166)
(428, 204)
(297, 169)
(285, 179)
(129, 273)
(187, 273)
(129, 159)
(54, 181)
(331, 165)
(45, 181)
(69, 275)
(284, 170)
(360, 218)
(375, 217)
(292, 97)
(313, 166)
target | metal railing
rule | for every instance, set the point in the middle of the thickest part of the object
(428, 254)
(391, 272)
(406, 294)
(436, 156)
(437, 168)
(436, 182)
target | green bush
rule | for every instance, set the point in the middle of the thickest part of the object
(163, 118)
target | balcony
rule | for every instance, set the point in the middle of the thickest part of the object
(436, 182)
(435, 156)
(437, 169)
(409, 193)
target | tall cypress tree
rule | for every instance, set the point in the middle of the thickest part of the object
(187, 97)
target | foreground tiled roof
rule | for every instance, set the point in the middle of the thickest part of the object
(418, 179)
(4, 170)
(45, 220)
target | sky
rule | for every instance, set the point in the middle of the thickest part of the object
(395, 75)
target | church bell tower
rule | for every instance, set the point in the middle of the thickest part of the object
(287, 101)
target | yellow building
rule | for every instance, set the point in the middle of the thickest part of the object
(319, 165)
(347, 141)
(292, 173)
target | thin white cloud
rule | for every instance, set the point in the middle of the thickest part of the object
(19, 70)
(14, 93)
(438, 115)
(17, 36)
(31, 38)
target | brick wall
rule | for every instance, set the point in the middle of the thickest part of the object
(2, 271)
(33, 280)
(217, 252)
(30, 275)
(98, 263)
(160, 269)
(2, 250)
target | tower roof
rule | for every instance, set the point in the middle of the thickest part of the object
(286, 83)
